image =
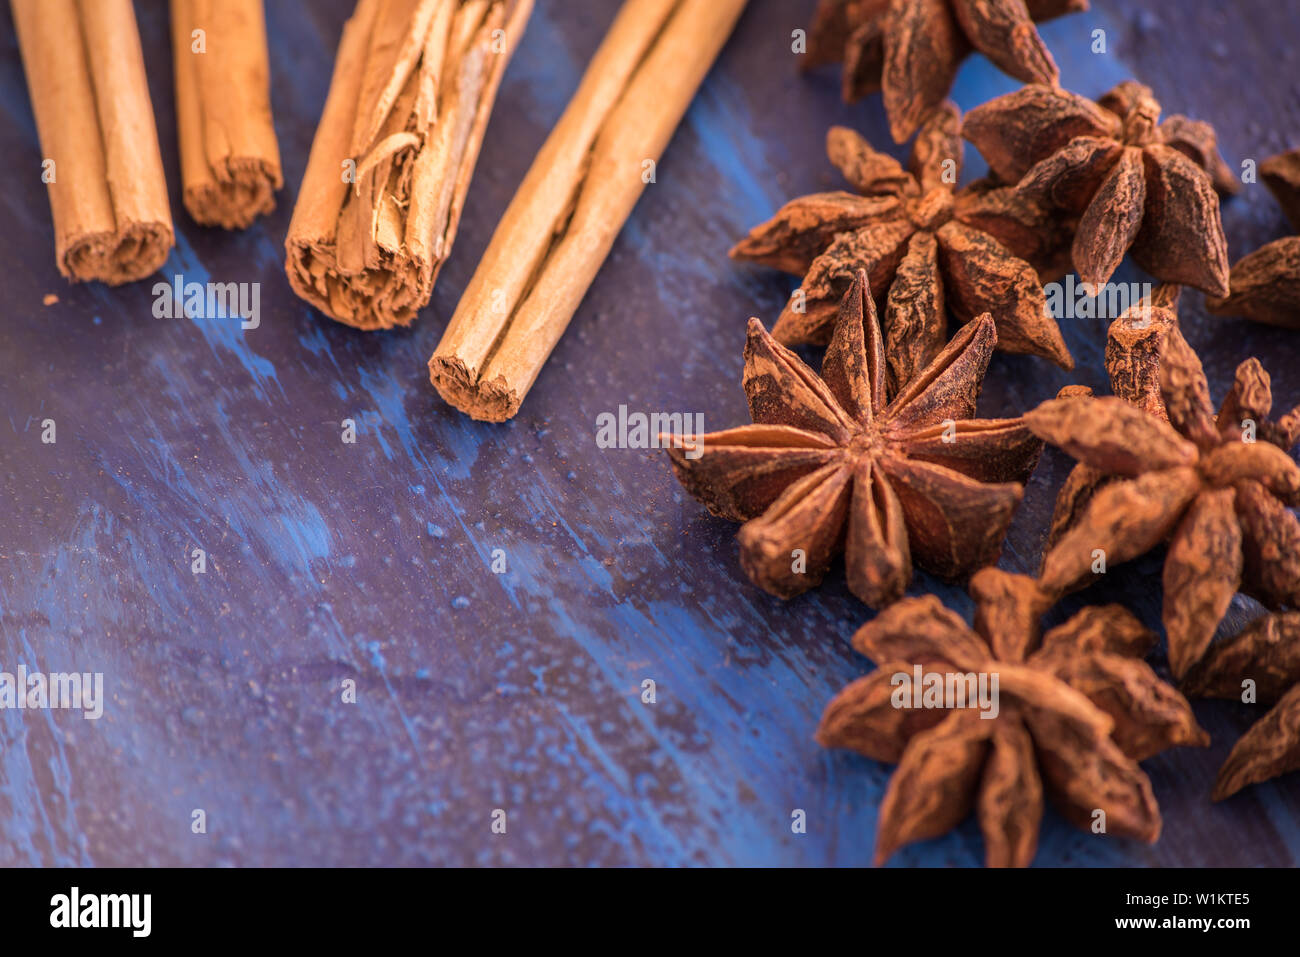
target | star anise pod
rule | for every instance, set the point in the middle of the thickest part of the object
(1029, 230)
(1076, 709)
(829, 466)
(1266, 653)
(923, 245)
(911, 49)
(1138, 185)
(1266, 283)
(1265, 286)
(1133, 344)
(1281, 174)
(1133, 366)
(1219, 485)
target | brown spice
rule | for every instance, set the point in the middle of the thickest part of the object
(409, 102)
(922, 244)
(1267, 651)
(580, 189)
(1133, 364)
(1077, 710)
(230, 162)
(1133, 348)
(1138, 185)
(1029, 230)
(829, 465)
(1220, 485)
(911, 49)
(85, 74)
(1266, 284)
(1266, 654)
(1270, 748)
(1281, 174)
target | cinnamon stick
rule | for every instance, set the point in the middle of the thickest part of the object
(574, 200)
(386, 180)
(100, 159)
(230, 162)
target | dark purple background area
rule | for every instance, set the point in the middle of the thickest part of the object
(518, 691)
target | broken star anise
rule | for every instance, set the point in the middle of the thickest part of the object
(924, 246)
(1220, 485)
(1266, 653)
(1133, 366)
(911, 49)
(1138, 185)
(829, 466)
(1266, 284)
(1076, 709)
(1281, 174)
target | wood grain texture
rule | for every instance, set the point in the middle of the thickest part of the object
(372, 561)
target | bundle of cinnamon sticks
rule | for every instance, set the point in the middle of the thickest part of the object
(376, 216)
(574, 200)
(390, 166)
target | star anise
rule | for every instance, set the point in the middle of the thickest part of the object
(1133, 344)
(1281, 174)
(1133, 366)
(1220, 485)
(1266, 653)
(1265, 286)
(1029, 230)
(911, 49)
(923, 245)
(1138, 185)
(1266, 283)
(1077, 708)
(829, 466)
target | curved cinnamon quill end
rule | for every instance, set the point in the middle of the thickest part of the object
(230, 160)
(376, 219)
(246, 192)
(116, 258)
(383, 296)
(108, 197)
(493, 400)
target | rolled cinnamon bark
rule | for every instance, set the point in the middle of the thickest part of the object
(230, 162)
(385, 184)
(574, 200)
(85, 75)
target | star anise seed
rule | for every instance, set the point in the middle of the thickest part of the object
(1270, 748)
(830, 466)
(1267, 652)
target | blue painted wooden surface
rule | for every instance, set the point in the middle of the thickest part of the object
(371, 561)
